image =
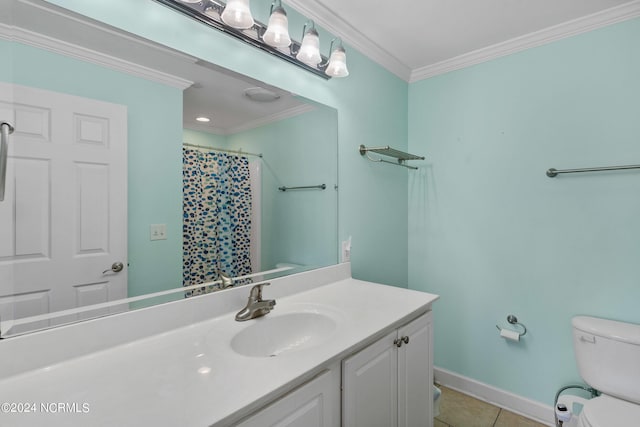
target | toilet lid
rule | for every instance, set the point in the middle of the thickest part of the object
(605, 411)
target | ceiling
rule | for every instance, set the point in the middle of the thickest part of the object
(416, 39)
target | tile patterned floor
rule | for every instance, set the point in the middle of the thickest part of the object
(459, 410)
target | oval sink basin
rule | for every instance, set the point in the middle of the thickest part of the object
(275, 334)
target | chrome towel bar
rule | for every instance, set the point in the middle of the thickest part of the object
(551, 173)
(305, 187)
(6, 129)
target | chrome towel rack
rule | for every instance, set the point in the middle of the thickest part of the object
(305, 187)
(6, 129)
(401, 156)
(551, 173)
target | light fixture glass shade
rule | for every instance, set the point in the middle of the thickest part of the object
(237, 14)
(337, 64)
(310, 49)
(277, 34)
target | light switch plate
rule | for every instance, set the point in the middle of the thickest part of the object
(158, 231)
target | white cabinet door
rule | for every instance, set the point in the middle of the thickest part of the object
(389, 384)
(315, 404)
(370, 386)
(415, 374)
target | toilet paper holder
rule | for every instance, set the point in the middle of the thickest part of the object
(513, 320)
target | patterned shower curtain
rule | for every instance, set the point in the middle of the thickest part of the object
(216, 216)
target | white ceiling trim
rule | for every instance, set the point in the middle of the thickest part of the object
(201, 127)
(88, 55)
(538, 38)
(350, 35)
(52, 44)
(334, 23)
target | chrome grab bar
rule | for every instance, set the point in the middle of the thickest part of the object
(6, 129)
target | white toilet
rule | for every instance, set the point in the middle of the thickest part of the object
(608, 356)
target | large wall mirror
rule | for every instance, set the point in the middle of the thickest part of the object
(115, 191)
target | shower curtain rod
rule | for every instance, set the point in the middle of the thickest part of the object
(185, 144)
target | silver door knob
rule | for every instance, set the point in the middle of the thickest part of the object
(116, 267)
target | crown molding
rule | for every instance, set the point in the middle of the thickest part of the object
(332, 22)
(548, 35)
(326, 18)
(201, 127)
(35, 39)
(74, 51)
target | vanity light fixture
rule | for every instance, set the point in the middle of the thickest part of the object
(237, 14)
(234, 19)
(277, 34)
(203, 119)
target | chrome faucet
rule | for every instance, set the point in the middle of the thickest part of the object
(256, 306)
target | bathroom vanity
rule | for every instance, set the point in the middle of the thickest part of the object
(334, 351)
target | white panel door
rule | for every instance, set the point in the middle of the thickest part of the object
(415, 375)
(370, 386)
(64, 218)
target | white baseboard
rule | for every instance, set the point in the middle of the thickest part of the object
(495, 396)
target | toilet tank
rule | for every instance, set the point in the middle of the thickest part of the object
(608, 356)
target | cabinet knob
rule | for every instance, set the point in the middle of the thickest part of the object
(398, 341)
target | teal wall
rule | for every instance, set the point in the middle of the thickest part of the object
(154, 114)
(298, 226)
(491, 234)
(372, 110)
(204, 138)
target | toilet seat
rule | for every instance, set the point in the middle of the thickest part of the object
(606, 411)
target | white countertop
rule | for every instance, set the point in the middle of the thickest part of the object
(190, 376)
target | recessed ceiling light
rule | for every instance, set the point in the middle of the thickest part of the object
(203, 119)
(260, 94)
